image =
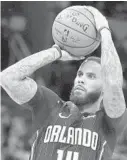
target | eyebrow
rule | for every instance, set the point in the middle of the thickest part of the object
(80, 71)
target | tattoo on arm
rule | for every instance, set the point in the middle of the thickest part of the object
(30, 64)
(112, 77)
(15, 79)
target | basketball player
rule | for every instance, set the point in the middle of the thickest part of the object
(87, 126)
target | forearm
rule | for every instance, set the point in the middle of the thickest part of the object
(30, 64)
(15, 79)
(110, 62)
(112, 77)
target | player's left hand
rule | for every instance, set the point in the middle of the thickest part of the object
(100, 20)
(66, 56)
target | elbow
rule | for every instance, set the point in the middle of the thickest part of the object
(5, 79)
(116, 112)
(2, 79)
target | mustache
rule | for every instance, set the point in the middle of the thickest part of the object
(79, 87)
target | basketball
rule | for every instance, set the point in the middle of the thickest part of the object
(74, 30)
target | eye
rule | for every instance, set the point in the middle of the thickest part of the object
(91, 75)
(80, 73)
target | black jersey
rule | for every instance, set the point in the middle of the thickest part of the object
(66, 134)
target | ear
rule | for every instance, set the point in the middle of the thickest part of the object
(101, 97)
(102, 93)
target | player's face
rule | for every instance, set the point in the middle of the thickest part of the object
(87, 85)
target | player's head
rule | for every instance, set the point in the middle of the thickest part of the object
(88, 83)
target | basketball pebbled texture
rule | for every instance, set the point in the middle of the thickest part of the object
(74, 30)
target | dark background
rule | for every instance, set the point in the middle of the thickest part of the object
(39, 16)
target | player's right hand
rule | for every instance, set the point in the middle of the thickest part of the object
(100, 19)
(66, 56)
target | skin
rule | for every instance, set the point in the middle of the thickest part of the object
(112, 77)
(16, 82)
(87, 89)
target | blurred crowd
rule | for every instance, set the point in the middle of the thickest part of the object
(13, 131)
(26, 29)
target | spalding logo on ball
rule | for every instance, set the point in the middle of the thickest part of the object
(74, 30)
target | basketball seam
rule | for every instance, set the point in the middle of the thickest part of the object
(92, 22)
(87, 18)
(93, 49)
(74, 46)
(89, 52)
(77, 31)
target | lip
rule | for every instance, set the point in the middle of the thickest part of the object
(79, 87)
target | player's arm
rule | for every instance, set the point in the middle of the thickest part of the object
(113, 98)
(15, 79)
(112, 77)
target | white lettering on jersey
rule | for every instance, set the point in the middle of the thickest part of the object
(69, 155)
(48, 134)
(74, 136)
(87, 139)
(70, 138)
(62, 139)
(55, 133)
(94, 140)
(78, 136)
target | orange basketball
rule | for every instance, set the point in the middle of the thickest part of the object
(74, 30)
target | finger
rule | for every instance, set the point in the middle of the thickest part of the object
(87, 8)
(55, 45)
(90, 9)
(95, 11)
(65, 52)
(79, 58)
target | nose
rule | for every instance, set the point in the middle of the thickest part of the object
(80, 81)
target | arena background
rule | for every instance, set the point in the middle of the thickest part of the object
(26, 29)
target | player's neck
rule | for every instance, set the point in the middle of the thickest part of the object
(91, 108)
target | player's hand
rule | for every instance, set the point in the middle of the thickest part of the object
(100, 20)
(66, 56)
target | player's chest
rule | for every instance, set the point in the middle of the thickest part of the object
(71, 136)
(73, 130)
(78, 141)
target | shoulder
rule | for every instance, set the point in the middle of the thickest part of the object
(44, 97)
(48, 93)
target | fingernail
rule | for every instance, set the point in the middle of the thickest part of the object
(82, 57)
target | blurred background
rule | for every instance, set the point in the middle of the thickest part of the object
(26, 29)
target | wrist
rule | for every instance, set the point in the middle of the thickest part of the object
(58, 51)
(104, 30)
(105, 34)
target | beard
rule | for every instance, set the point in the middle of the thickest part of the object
(84, 99)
